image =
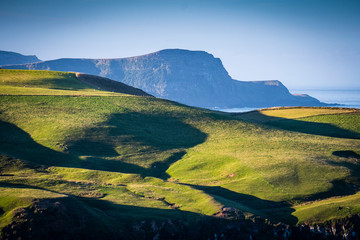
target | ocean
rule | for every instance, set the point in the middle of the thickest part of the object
(349, 98)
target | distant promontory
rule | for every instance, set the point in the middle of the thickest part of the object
(194, 78)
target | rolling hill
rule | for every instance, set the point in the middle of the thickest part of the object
(194, 78)
(79, 162)
(22, 82)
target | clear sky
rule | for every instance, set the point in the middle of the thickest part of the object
(306, 44)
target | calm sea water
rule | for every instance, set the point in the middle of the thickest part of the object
(345, 98)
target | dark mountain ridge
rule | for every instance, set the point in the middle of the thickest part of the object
(194, 78)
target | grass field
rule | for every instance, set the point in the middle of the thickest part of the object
(145, 157)
(37, 82)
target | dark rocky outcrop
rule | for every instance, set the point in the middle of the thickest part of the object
(195, 78)
(62, 218)
(68, 218)
(7, 58)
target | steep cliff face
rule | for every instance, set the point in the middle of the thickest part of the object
(194, 78)
(16, 58)
(191, 77)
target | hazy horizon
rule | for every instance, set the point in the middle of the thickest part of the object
(305, 45)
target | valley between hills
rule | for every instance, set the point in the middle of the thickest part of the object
(83, 157)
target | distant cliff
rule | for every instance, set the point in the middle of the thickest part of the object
(7, 58)
(194, 78)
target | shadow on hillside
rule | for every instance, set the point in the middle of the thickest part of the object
(65, 84)
(157, 169)
(106, 84)
(6, 184)
(340, 188)
(159, 132)
(143, 136)
(322, 129)
(17, 143)
(352, 163)
(347, 154)
(269, 209)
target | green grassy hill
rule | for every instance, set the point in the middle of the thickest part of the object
(35, 82)
(117, 157)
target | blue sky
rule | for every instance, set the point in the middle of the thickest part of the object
(306, 44)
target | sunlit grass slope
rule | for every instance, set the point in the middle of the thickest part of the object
(147, 157)
(37, 82)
